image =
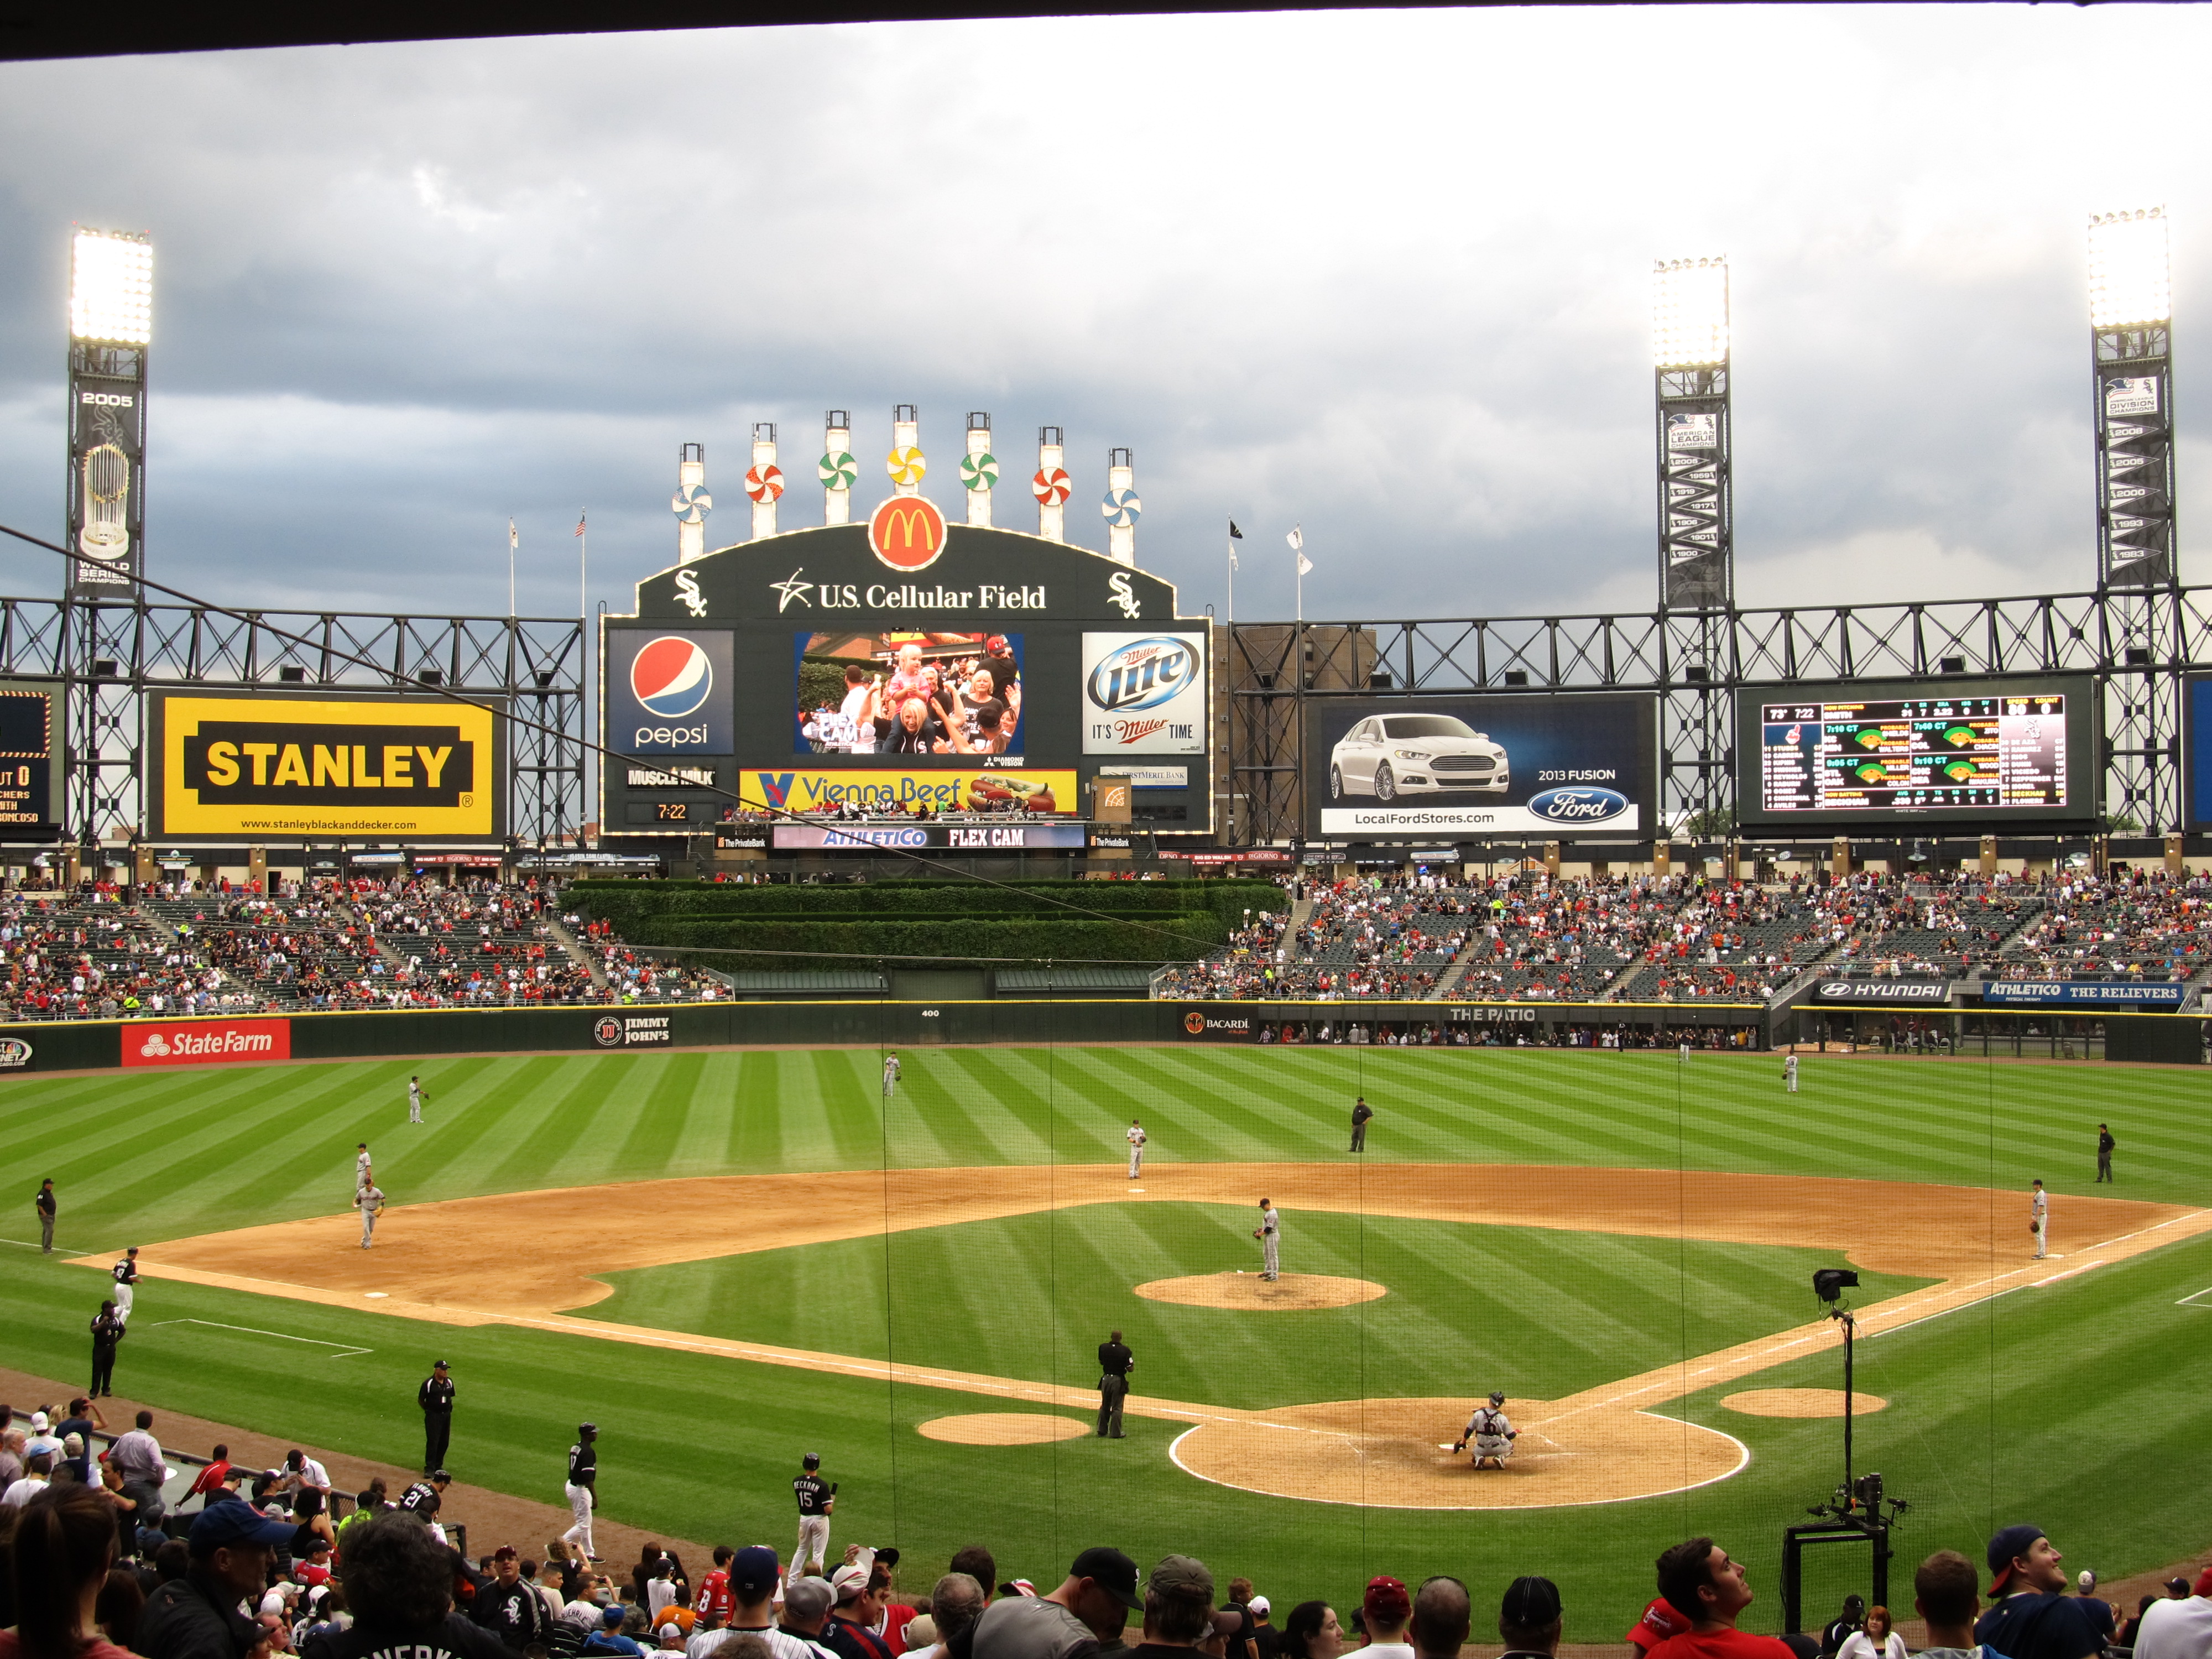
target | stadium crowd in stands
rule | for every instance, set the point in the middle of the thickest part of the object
(94, 1571)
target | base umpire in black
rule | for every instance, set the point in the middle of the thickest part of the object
(1113, 1362)
(435, 1397)
(1361, 1111)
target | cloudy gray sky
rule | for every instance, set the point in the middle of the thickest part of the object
(1385, 274)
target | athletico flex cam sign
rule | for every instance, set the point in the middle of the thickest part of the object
(246, 766)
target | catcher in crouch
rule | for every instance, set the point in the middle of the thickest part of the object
(1491, 1432)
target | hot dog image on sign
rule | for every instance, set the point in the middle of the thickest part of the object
(1144, 693)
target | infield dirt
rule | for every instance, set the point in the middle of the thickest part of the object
(433, 1261)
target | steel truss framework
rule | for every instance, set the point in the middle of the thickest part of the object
(108, 653)
(2138, 644)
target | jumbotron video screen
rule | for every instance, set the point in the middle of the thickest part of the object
(1842, 754)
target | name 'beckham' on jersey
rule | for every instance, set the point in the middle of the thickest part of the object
(812, 1492)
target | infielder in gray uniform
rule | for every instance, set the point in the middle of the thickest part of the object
(371, 1200)
(1268, 1232)
(414, 1100)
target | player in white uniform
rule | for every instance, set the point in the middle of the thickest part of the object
(126, 1274)
(2038, 1220)
(370, 1199)
(582, 1487)
(1789, 1073)
(1491, 1432)
(890, 1073)
(414, 1100)
(1268, 1232)
(1136, 1149)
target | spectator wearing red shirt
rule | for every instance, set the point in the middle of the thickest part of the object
(207, 1486)
(714, 1596)
(1700, 1582)
(1658, 1623)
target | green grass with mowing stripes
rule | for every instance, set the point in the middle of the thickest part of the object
(2077, 1406)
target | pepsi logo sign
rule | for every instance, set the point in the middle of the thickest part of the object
(1143, 674)
(1582, 805)
(671, 676)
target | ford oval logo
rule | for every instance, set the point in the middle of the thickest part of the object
(1578, 805)
(1143, 674)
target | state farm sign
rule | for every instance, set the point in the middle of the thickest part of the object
(206, 1041)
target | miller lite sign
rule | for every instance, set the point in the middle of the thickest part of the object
(1144, 693)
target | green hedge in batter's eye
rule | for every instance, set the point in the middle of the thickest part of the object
(949, 940)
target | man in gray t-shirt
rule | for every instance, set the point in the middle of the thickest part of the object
(1090, 1608)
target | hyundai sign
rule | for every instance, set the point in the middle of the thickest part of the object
(1144, 693)
(668, 691)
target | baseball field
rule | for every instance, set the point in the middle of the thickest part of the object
(726, 1260)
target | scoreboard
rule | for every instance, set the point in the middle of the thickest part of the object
(1844, 754)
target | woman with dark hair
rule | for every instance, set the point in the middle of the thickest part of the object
(399, 1589)
(64, 1543)
(1310, 1631)
(121, 1600)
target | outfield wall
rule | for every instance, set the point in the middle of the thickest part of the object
(82, 1045)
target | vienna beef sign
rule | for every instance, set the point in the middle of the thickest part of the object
(206, 1041)
(250, 766)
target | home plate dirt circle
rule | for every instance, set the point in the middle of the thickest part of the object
(1801, 1402)
(1003, 1429)
(1290, 1293)
(1385, 1453)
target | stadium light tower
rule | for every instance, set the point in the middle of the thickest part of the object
(1690, 361)
(2131, 327)
(111, 323)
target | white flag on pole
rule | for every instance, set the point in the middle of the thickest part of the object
(1297, 538)
(1305, 565)
(1235, 537)
(513, 540)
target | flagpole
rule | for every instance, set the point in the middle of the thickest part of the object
(510, 567)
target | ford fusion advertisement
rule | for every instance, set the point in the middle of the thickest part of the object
(1558, 767)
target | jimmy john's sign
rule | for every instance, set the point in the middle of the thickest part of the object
(249, 767)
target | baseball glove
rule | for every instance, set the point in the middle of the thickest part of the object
(1255, 1232)
(2031, 1229)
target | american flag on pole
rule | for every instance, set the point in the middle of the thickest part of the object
(579, 521)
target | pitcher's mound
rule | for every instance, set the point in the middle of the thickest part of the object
(1003, 1429)
(1801, 1402)
(1292, 1292)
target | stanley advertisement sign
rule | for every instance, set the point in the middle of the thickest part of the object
(250, 767)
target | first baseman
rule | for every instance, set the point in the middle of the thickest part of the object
(890, 1073)
(1136, 1149)
(126, 1274)
(371, 1201)
(817, 1498)
(1268, 1232)
(2038, 1220)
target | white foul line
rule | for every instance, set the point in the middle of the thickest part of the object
(350, 1349)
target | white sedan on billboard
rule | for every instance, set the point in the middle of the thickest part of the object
(1386, 756)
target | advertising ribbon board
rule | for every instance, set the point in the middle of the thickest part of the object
(2085, 993)
(249, 767)
(957, 837)
(890, 789)
(207, 1041)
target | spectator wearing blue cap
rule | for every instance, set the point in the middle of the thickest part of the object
(609, 1637)
(2034, 1617)
(399, 1589)
(232, 1550)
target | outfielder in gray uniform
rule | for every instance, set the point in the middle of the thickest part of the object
(1268, 1232)
(891, 1074)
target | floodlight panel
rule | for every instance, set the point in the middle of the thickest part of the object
(2130, 270)
(111, 288)
(1690, 313)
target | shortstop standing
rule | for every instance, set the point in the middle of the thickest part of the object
(371, 1200)
(2038, 1220)
(1136, 1149)
(817, 1498)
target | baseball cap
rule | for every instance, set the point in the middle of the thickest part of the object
(2085, 1581)
(848, 1581)
(1386, 1602)
(1110, 1571)
(506, 1553)
(753, 1571)
(38, 1422)
(667, 1630)
(2013, 1541)
(233, 1522)
(1182, 1575)
(1531, 1602)
(610, 1616)
(1261, 1606)
(587, 1428)
(72, 1442)
(440, 1365)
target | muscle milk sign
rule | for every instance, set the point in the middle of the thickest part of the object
(206, 1041)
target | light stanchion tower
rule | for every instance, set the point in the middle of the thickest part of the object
(1690, 362)
(110, 326)
(2131, 359)
(906, 464)
(1696, 535)
(2130, 330)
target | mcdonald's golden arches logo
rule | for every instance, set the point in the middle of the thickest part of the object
(907, 532)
